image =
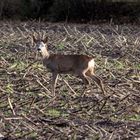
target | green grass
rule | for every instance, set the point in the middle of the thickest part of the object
(136, 66)
(60, 46)
(18, 65)
(135, 117)
(9, 88)
(56, 113)
(38, 66)
(119, 65)
(53, 113)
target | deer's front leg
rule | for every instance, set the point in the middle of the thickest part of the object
(54, 81)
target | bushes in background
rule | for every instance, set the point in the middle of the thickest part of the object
(70, 10)
(23, 9)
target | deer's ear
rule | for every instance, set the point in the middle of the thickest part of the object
(45, 40)
(34, 39)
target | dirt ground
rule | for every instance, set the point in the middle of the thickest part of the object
(27, 108)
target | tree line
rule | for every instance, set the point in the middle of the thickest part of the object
(71, 10)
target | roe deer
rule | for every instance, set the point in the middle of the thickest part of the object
(81, 65)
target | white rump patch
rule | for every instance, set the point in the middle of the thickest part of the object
(91, 63)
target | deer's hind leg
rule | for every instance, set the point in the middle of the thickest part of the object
(90, 73)
(85, 79)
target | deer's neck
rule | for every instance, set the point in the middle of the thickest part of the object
(45, 53)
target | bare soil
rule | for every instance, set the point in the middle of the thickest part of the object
(27, 108)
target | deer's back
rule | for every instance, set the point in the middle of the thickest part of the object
(66, 63)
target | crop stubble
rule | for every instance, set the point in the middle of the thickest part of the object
(27, 109)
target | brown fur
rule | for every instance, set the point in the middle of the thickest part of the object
(66, 63)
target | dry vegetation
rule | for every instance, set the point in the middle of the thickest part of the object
(27, 110)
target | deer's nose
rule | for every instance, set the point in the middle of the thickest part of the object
(38, 49)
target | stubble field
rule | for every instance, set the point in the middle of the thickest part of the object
(27, 108)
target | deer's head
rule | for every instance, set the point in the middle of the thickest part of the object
(40, 44)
